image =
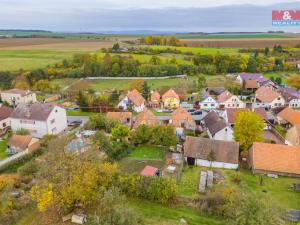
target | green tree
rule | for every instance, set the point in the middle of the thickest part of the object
(141, 135)
(248, 128)
(202, 82)
(252, 209)
(163, 135)
(101, 140)
(116, 69)
(145, 90)
(116, 47)
(120, 132)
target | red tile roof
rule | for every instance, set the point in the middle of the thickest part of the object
(266, 94)
(155, 97)
(275, 158)
(251, 84)
(5, 112)
(119, 116)
(170, 94)
(20, 141)
(224, 96)
(145, 117)
(290, 115)
(136, 97)
(149, 171)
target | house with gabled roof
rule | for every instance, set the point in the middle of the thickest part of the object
(133, 100)
(265, 97)
(275, 159)
(293, 135)
(170, 99)
(18, 96)
(288, 117)
(197, 151)
(208, 102)
(39, 119)
(217, 128)
(243, 77)
(5, 112)
(228, 100)
(181, 118)
(154, 101)
(122, 117)
(291, 97)
(145, 117)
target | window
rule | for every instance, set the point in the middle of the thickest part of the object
(237, 105)
(205, 104)
(212, 105)
(52, 121)
(4, 125)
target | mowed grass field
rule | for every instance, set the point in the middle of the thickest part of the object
(199, 50)
(109, 85)
(232, 36)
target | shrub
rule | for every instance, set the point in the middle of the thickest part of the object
(29, 168)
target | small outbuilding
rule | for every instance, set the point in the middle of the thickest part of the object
(211, 153)
(150, 171)
(20, 143)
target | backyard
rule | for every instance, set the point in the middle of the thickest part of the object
(277, 189)
(142, 156)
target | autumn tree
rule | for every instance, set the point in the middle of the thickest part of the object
(293, 81)
(248, 128)
(120, 132)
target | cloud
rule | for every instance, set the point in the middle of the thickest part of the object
(75, 15)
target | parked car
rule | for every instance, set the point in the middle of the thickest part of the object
(191, 110)
(168, 110)
(74, 122)
(197, 113)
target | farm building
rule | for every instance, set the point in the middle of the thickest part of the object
(145, 117)
(276, 159)
(154, 100)
(170, 99)
(211, 153)
(182, 118)
(288, 117)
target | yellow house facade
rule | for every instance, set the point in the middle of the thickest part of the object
(171, 100)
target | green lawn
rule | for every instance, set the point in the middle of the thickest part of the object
(3, 146)
(12, 60)
(147, 152)
(108, 85)
(135, 166)
(170, 215)
(79, 113)
(188, 185)
(278, 189)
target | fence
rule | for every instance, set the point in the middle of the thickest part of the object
(4, 163)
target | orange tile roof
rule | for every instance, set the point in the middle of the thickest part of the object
(119, 116)
(266, 94)
(224, 96)
(155, 97)
(275, 158)
(251, 84)
(290, 115)
(145, 117)
(170, 94)
(182, 115)
(135, 97)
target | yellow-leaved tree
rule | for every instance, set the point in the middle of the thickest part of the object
(248, 128)
(43, 195)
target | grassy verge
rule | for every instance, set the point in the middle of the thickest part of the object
(189, 181)
(166, 215)
(280, 130)
(79, 113)
(3, 146)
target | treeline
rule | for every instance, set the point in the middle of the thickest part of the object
(221, 64)
(160, 40)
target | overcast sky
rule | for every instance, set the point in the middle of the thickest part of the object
(98, 15)
(121, 4)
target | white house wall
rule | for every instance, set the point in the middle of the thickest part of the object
(209, 103)
(295, 103)
(215, 164)
(5, 122)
